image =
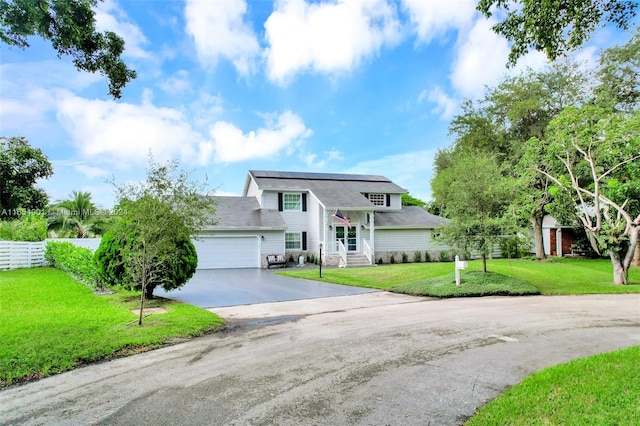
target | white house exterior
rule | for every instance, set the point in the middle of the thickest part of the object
(292, 213)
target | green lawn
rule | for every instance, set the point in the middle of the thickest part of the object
(472, 284)
(599, 390)
(51, 323)
(554, 276)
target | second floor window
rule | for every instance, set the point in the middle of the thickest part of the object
(293, 202)
(377, 199)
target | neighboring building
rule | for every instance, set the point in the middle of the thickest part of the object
(295, 213)
(559, 240)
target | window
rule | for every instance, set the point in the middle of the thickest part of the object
(292, 241)
(293, 202)
(377, 199)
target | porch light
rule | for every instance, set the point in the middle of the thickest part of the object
(330, 227)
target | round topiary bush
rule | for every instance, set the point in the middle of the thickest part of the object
(175, 272)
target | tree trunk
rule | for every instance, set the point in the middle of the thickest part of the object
(620, 272)
(636, 258)
(484, 263)
(536, 222)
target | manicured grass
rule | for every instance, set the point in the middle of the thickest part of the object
(51, 323)
(472, 284)
(555, 276)
(599, 390)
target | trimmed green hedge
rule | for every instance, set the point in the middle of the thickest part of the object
(76, 261)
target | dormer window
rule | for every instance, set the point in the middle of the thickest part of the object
(378, 199)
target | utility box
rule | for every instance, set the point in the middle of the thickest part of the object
(301, 260)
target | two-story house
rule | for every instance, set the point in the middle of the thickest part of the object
(354, 219)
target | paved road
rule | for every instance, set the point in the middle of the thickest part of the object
(390, 359)
(229, 287)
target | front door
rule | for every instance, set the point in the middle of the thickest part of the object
(348, 237)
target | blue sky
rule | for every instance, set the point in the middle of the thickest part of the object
(225, 86)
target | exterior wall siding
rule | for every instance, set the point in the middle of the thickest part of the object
(254, 191)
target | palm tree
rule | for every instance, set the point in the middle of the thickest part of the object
(77, 216)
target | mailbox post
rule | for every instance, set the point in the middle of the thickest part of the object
(320, 260)
(460, 264)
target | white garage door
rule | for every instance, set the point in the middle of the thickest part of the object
(227, 252)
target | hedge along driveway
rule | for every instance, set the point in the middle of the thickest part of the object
(57, 324)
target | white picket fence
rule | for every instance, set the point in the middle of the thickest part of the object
(22, 254)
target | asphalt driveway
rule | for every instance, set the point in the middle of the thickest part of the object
(389, 360)
(212, 288)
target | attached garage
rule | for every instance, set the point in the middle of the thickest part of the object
(228, 252)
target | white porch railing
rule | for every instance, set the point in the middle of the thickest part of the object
(342, 250)
(367, 251)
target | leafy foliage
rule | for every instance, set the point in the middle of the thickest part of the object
(78, 217)
(592, 155)
(179, 255)
(76, 261)
(555, 27)
(161, 215)
(476, 196)
(409, 200)
(29, 227)
(20, 168)
(70, 26)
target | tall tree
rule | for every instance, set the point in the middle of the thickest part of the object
(70, 26)
(619, 76)
(475, 196)
(593, 155)
(160, 214)
(554, 26)
(21, 166)
(511, 113)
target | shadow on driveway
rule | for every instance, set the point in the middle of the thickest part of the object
(212, 288)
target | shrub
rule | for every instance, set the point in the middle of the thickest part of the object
(417, 256)
(113, 271)
(380, 261)
(405, 257)
(514, 247)
(76, 261)
(30, 227)
(427, 256)
(392, 259)
(444, 256)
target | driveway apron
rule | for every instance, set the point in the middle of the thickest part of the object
(212, 288)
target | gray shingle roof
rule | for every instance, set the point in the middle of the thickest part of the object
(244, 213)
(408, 217)
(341, 191)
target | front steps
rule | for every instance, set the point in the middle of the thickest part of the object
(355, 260)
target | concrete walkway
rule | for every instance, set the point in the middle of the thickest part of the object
(212, 288)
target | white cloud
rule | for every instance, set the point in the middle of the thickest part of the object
(177, 84)
(218, 30)
(124, 133)
(111, 17)
(410, 170)
(326, 37)
(90, 172)
(445, 106)
(481, 60)
(328, 157)
(231, 144)
(434, 18)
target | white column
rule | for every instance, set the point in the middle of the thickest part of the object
(559, 242)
